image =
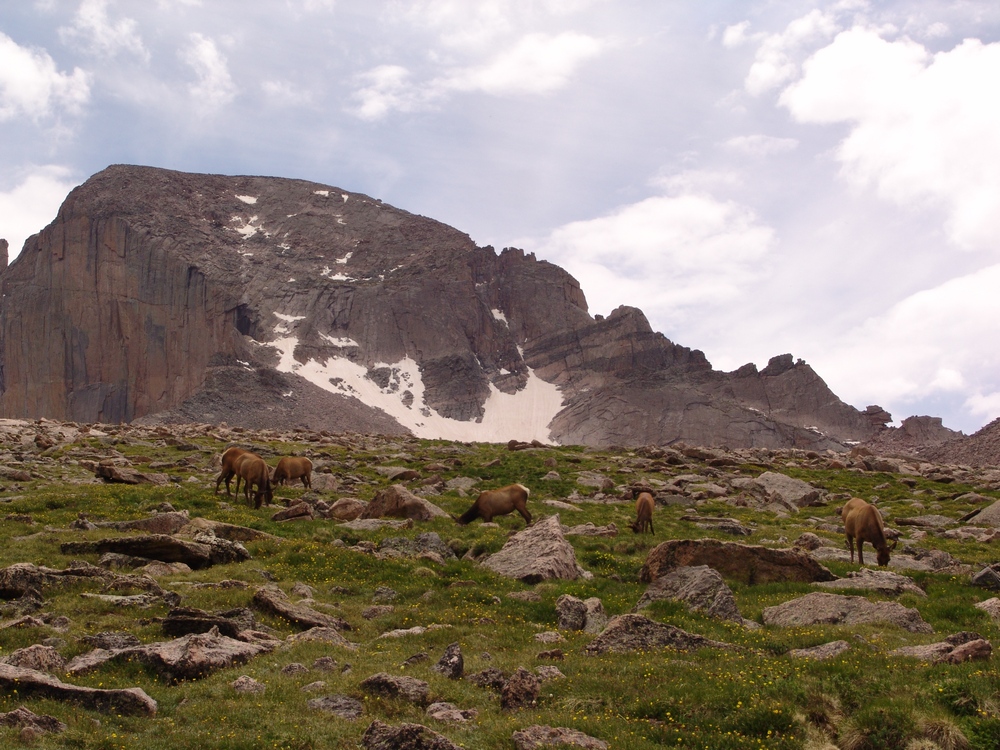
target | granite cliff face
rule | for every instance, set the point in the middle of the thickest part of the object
(159, 296)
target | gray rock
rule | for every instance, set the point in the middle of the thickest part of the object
(990, 607)
(31, 683)
(834, 609)
(954, 649)
(189, 658)
(882, 581)
(37, 657)
(342, 706)
(490, 678)
(248, 685)
(22, 718)
(629, 633)
(700, 588)
(381, 736)
(538, 553)
(988, 516)
(427, 542)
(988, 577)
(272, 599)
(540, 736)
(822, 652)
(406, 688)
(451, 664)
(791, 492)
(451, 713)
(520, 691)
(577, 614)
(398, 502)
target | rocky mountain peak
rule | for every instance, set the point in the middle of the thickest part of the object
(161, 295)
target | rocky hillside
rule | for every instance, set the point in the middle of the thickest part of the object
(169, 297)
(143, 606)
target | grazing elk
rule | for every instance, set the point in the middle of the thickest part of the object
(229, 457)
(293, 467)
(863, 522)
(251, 469)
(643, 513)
(499, 502)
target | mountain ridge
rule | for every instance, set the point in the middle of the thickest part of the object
(163, 295)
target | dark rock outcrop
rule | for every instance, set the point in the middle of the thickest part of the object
(165, 297)
(748, 563)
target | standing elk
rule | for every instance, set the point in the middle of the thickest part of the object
(863, 522)
(643, 513)
(293, 467)
(252, 469)
(499, 503)
(229, 458)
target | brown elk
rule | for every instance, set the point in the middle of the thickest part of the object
(499, 503)
(229, 457)
(643, 513)
(863, 522)
(251, 468)
(293, 467)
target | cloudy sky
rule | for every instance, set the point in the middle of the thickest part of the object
(819, 178)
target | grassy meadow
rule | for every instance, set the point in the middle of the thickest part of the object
(754, 697)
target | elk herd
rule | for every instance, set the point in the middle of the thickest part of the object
(862, 521)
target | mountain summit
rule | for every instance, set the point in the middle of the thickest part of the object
(267, 302)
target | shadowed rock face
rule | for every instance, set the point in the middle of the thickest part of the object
(165, 296)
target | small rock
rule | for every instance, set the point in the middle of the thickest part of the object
(520, 691)
(342, 706)
(451, 664)
(246, 684)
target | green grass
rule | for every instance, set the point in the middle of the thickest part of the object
(754, 697)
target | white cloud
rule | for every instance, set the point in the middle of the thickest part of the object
(285, 93)
(214, 87)
(925, 129)
(538, 64)
(935, 343)
(31, 205)
(775, 62)
(761, 145)
(93, 31)
(30, 84)
(387, 88)
(673, 255)
(736, 34)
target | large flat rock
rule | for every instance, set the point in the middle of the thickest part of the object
(743, 562)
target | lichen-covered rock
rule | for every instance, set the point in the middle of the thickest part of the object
(381, 736)
(627, 633)
(451, 664)
(541, 736)
(520, 691)
(538, 553)
(407, 688)
(834, 609)
(578, 614)
(189, 658)
(700, 588)
(883, 581)
(342, 706)
(272, 599)
(37, 657)
(398, 502)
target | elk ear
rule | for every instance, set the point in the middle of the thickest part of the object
(894, 543)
